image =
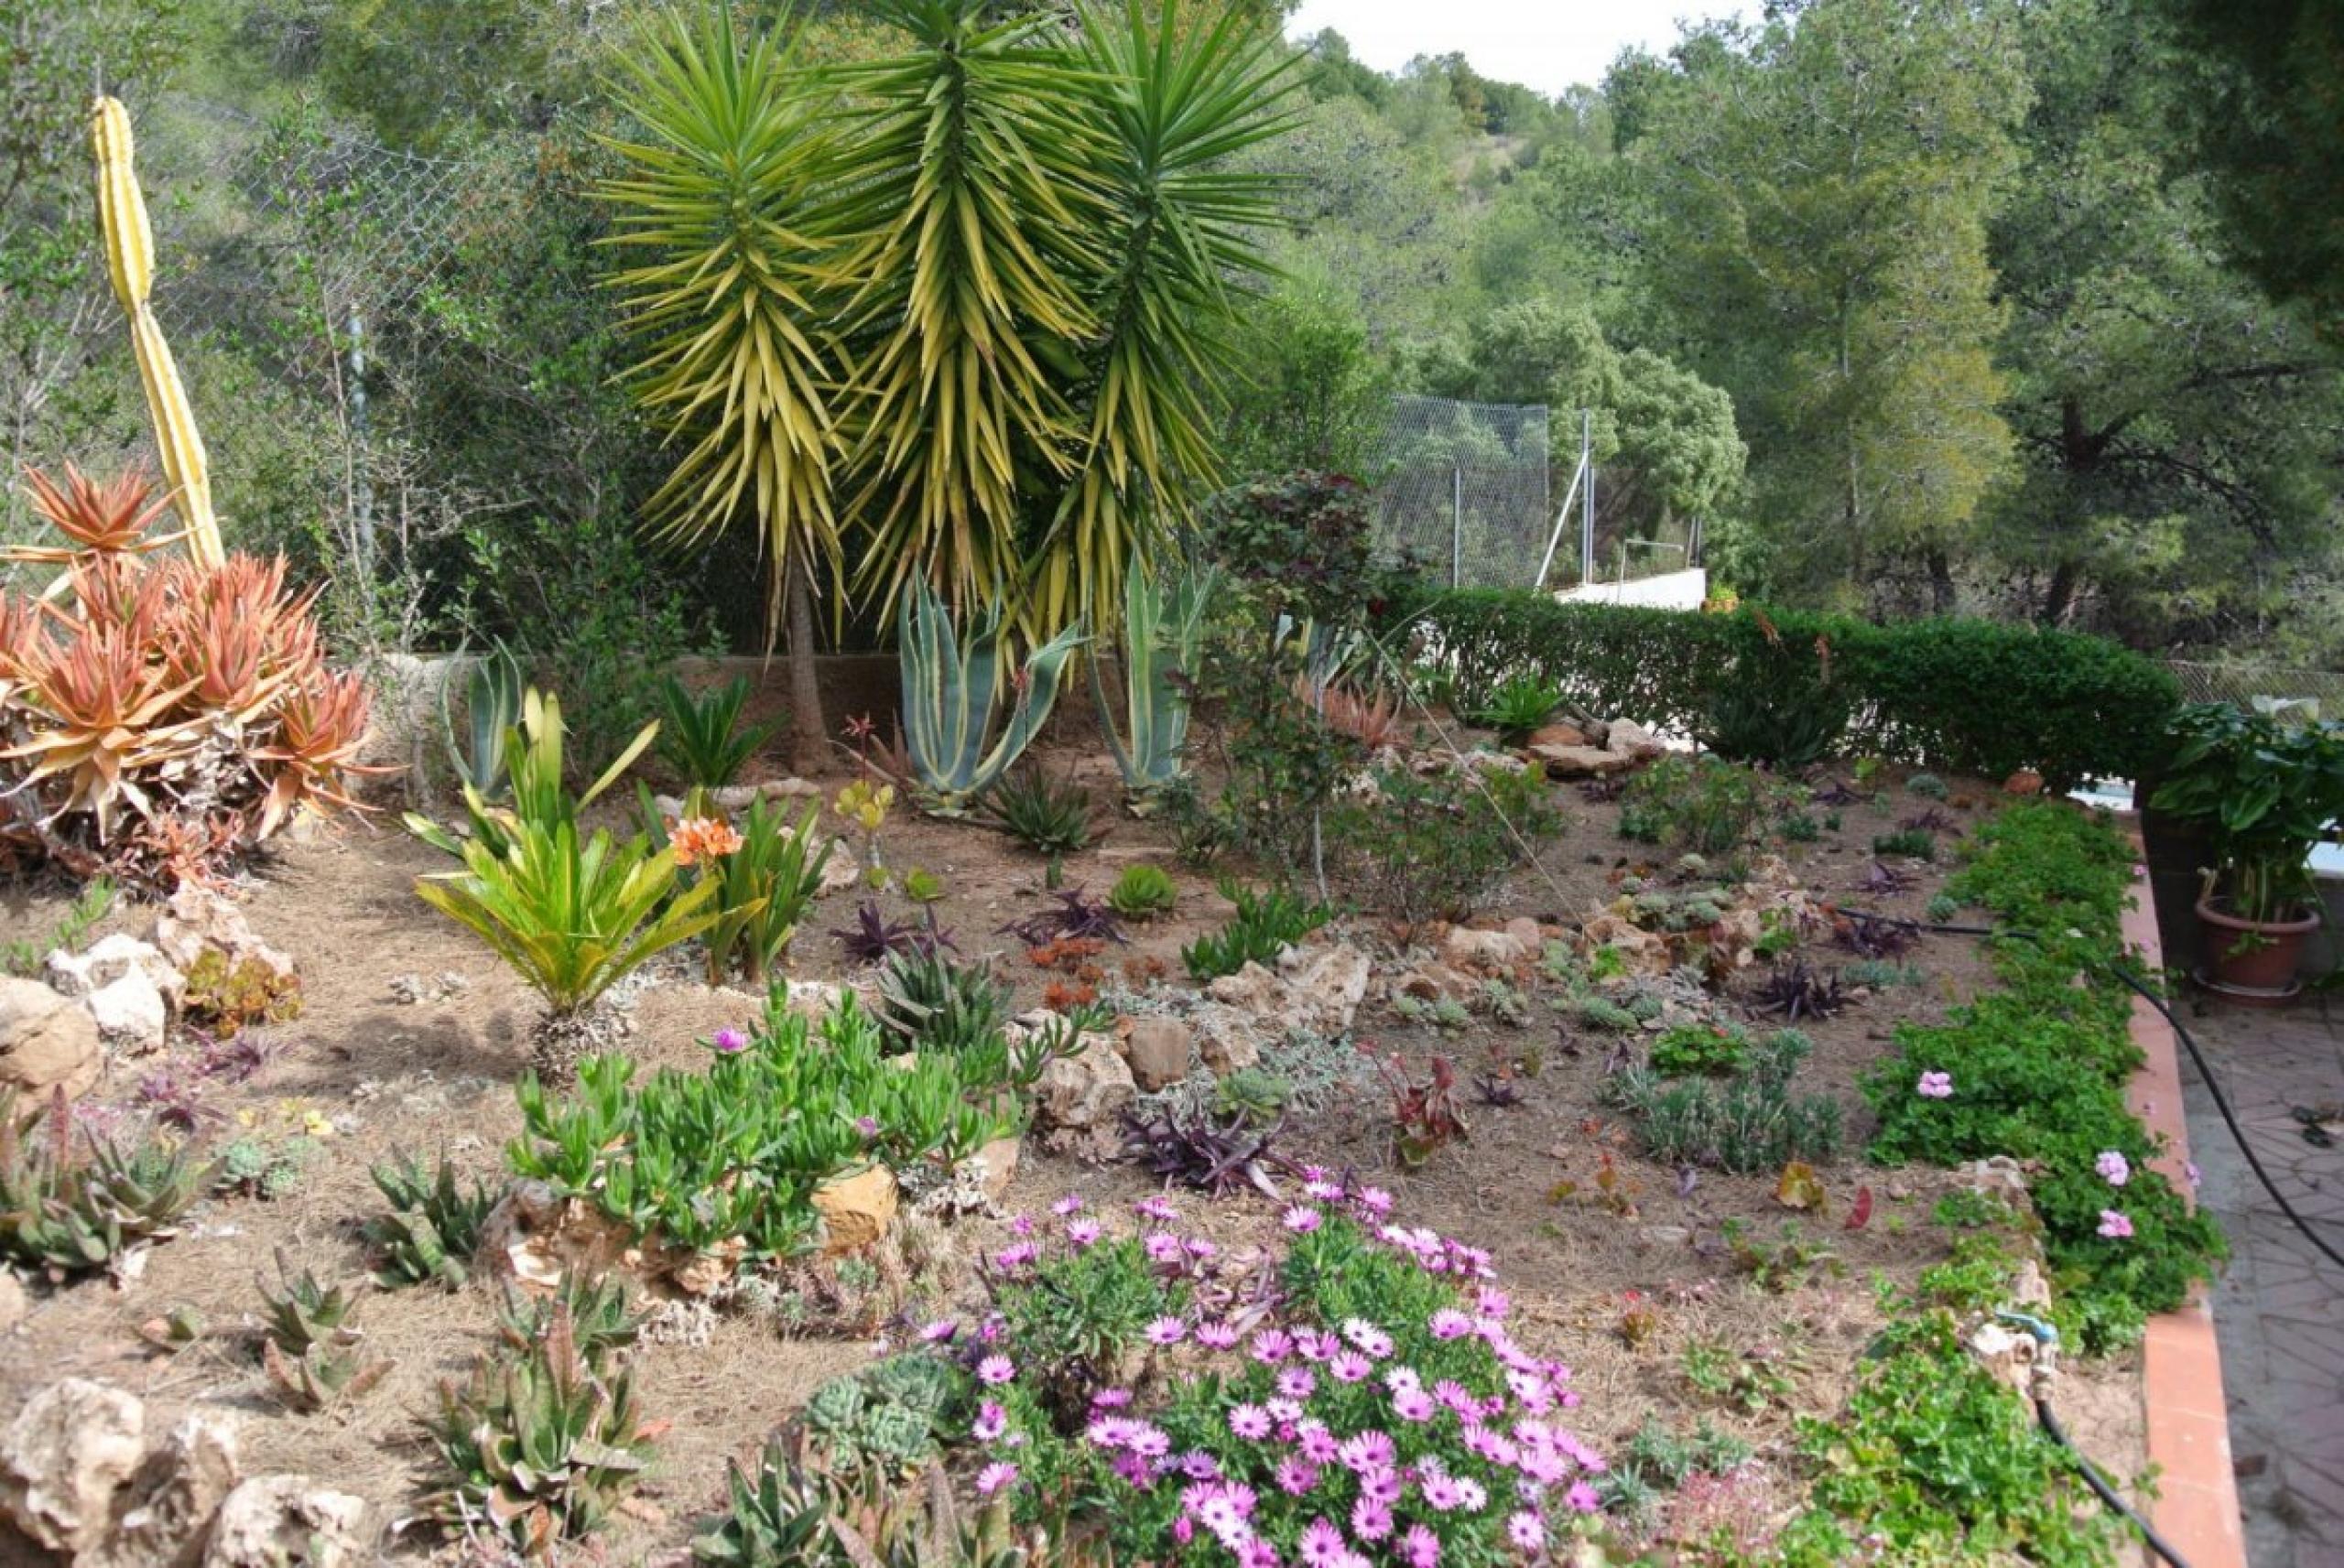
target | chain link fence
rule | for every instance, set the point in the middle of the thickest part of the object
(2241, 684)
(1463, 489)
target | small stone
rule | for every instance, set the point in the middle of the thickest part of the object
(1085, 1092)
(1158, 1051)
(1253, 988)
(1632, 741)
(164, 1516)
(1489, 951)
(1581, 761)
(105, 961)
(534, 1235)
(196, 920)
(131, 1013)
(13, 1303)
(1562, 735)
(1328, 989)
(288, 1521)
(46, 1043)
(1667, 1235)
(1000, 1157)
(62, 1459)
(788, 789)
(856, 1210)
(1227, 1051)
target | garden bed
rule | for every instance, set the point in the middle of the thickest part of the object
(1678, 1296)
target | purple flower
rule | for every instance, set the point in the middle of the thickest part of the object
(729, 1041)
(1297, 1475)
(1257, 1553)
(1162, 1247)
(1384, 1485)
(1250, 1422)
(1273, 1346)
(2189, 1170)
(937, 1331)
(1371, 1339)
(990, 1423)
(1215, 1335)
(1167, 1331)
(1200, 1248)
(1525, 1530)
(1015, 1256)
(1494, 1303)
(2113, 1168)
(1371, 1520)
(1070, 1203)
(1442, 1494)
(1157, 1208)
(2115, 1225)
(1450, 1323)
(1365, 1451)
(1582, 1497)
(1021, 1225)
(1419, 1548)
(1322, 1545)
(1082, 1233)
(1375, 1200)
(996, 1370)
(1111, 1399)
(1935, 1086)
(1351, 1367)
(1297, 1383)
(1302, 1221)
(867, 1125)
(1318, 1443)
(1413, 1405)
(995, 1476)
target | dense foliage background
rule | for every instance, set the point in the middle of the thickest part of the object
(1909, 305)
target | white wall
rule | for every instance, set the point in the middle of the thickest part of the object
(1670, 590)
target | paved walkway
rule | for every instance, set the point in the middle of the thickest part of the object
(2279, 1310)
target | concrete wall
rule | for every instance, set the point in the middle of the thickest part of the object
(1669, 591)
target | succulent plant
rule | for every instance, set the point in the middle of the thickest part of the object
(1053, 818)
(1197, 1148)
(932, 1002)
(434, 1227)
(889, 1415)
(537, 1445)
(310, 1336)
(1077, 917)
(874, 937)
(1144, 891)
(599, 1317)
(1799, 990)
(65, 1210)
(1873, 935)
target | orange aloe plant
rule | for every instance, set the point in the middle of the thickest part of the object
(157, 716)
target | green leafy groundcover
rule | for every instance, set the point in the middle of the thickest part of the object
(2038, 1069)
(1965, 696)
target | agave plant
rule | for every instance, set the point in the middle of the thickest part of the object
(493, 694)
(572, 916)
(68, 1210)
(702, 738)
(950, 691)
(1163, 630)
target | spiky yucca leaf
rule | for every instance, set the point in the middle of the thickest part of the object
(1182, 230)
(734, 368)
(971, 233)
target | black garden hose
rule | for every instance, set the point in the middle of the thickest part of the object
(2098, 1483)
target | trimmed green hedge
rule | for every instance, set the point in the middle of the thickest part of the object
(1962, 695)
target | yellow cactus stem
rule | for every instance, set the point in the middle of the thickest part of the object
(130, 263)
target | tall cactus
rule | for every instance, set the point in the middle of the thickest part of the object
(130, 262)
(1163, 627)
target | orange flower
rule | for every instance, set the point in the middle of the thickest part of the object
(703, 839)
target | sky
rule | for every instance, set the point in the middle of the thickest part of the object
(1547, 44)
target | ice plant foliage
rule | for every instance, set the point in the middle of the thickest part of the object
(156, 715)
(1355, 1397)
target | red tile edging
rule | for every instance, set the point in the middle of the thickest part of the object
(2197, 1508)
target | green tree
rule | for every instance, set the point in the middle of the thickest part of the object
(2176, 428)
(2263, 109)
(1820, 194)
(1313, 393)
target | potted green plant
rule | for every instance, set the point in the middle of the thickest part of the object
(2265, 783)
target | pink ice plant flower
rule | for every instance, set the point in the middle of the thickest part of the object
(1070, 1203)
(730, 1040)
(1083, 1233)
(1167, 1331)
(1250, 1422)
(1525, 1530)
(1300, 1219)
(990, 1423)
(1322, 1545)
(995, 1476)
(995, 1370)
(1216, 1336)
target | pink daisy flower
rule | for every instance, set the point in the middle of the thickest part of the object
(995, 1476)
(1250, 1422)
(996, 1370)
(1297, 1383)
(1302, 1221)
(1297, 1475)
(1371, 1520)
(1351, 1367)
(1525, 1530)
(2113, 1167)
(990, 1423)
(1216, 1336)
(1420, 1547)
(1322, 1545)
(1167, 1331)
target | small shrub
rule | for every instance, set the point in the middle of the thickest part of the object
(765, 877)
(310, 1338)
(1519, 706)
(1695, 1049)
(1942, 909)
(1266, 923)
(1926, 785)
(1880, 974)
(256, 1167)
(1913, 843)
(1419, 846)
(1217, 1151)
(1143, 892)
(1751, 1124)
(1424, 1116)
(24, 955)
(1698, 804)
(889, 1417)
(700, 735)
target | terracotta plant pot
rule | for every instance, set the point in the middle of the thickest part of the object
(2251, 962)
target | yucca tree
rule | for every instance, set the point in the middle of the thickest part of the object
(1176, 101)
(727, 305)
(979, 152)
